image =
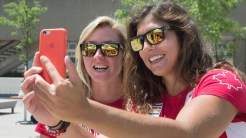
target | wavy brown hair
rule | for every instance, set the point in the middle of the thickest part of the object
(142, 87)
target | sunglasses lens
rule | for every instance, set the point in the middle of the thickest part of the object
(110, 49)
(155, 36)
(136, 44)
(88, 49)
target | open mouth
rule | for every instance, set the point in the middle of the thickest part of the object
(156, 58)
(100, 67)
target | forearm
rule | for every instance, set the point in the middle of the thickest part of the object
(76, 131)
(192, 121)
(118, 123)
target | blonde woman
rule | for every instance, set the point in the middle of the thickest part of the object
(99, 55)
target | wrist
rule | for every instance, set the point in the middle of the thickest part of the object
(53, 122)
(86, 112)
(57, 129)
(90, 112)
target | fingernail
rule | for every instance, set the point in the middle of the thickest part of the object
(69, 59)
(38, 68)
(42, 58)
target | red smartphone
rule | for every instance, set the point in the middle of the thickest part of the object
(53, 44)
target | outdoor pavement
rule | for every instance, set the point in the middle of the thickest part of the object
(10, 124)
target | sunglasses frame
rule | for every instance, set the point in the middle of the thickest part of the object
(143, 37)
(100, 46)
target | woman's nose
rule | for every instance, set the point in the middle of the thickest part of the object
(147, 46)
(98, 54)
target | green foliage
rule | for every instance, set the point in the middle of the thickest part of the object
(130, 6)
(13, 74)
(214, 23)
(23, 16)
(212, 17)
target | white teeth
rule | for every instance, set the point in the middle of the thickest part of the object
(100, 67)
(155, 58)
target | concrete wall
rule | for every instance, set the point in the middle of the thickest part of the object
(70, 14)
(10, 86)
(239, 59)
(76, 14)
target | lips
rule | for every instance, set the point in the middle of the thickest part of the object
(156, 58)
(100, 67)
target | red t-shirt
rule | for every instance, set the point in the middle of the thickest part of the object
(225, 84)
(117, 104)
(169, 106)
(40, 128)
(221, 83)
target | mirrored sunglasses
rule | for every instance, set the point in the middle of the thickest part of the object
(108, 49)
(153, 37)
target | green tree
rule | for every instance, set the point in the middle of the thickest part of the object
(212, 17)
(130, 6)
(23, 16)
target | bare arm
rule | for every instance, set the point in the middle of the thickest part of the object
(30, 99)
(76, 131)
(204, 116)
(198, 119)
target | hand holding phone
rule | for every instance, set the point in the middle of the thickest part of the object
(53, 45)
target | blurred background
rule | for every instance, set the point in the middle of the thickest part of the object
(221, 23)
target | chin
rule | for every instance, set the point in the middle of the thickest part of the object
(158, 74)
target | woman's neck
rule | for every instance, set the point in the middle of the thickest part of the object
(107, 92)
(174, 85)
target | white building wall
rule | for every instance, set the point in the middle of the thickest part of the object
(74, 15)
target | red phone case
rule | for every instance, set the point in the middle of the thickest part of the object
(53, 44)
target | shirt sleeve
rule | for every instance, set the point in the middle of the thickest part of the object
(224, 84)
(40, 128)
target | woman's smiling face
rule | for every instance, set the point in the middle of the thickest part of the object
(161, 58)
(99, 67)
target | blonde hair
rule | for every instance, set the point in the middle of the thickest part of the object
(100, 21)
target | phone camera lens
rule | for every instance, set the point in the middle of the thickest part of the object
(46, 32)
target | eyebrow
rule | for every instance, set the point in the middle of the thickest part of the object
(94, 42)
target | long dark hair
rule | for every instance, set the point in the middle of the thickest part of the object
(143, 87)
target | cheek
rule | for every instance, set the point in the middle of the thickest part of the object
(141, 54)
(176, 49)
(175, 53)
(174, 46)
(118, 63)
(86, 64)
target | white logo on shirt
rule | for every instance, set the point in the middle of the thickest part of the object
(237, 85)
(156, 110)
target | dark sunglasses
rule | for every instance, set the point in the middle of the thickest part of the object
(108, 49)
(153, 37)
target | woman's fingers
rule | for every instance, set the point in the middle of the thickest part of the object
(27, 100)
(73, 75)
(42, 85)
(29, 75)
(27, 84)
(33, 70)
(52, 71)
(36, 61)
(47, 102)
